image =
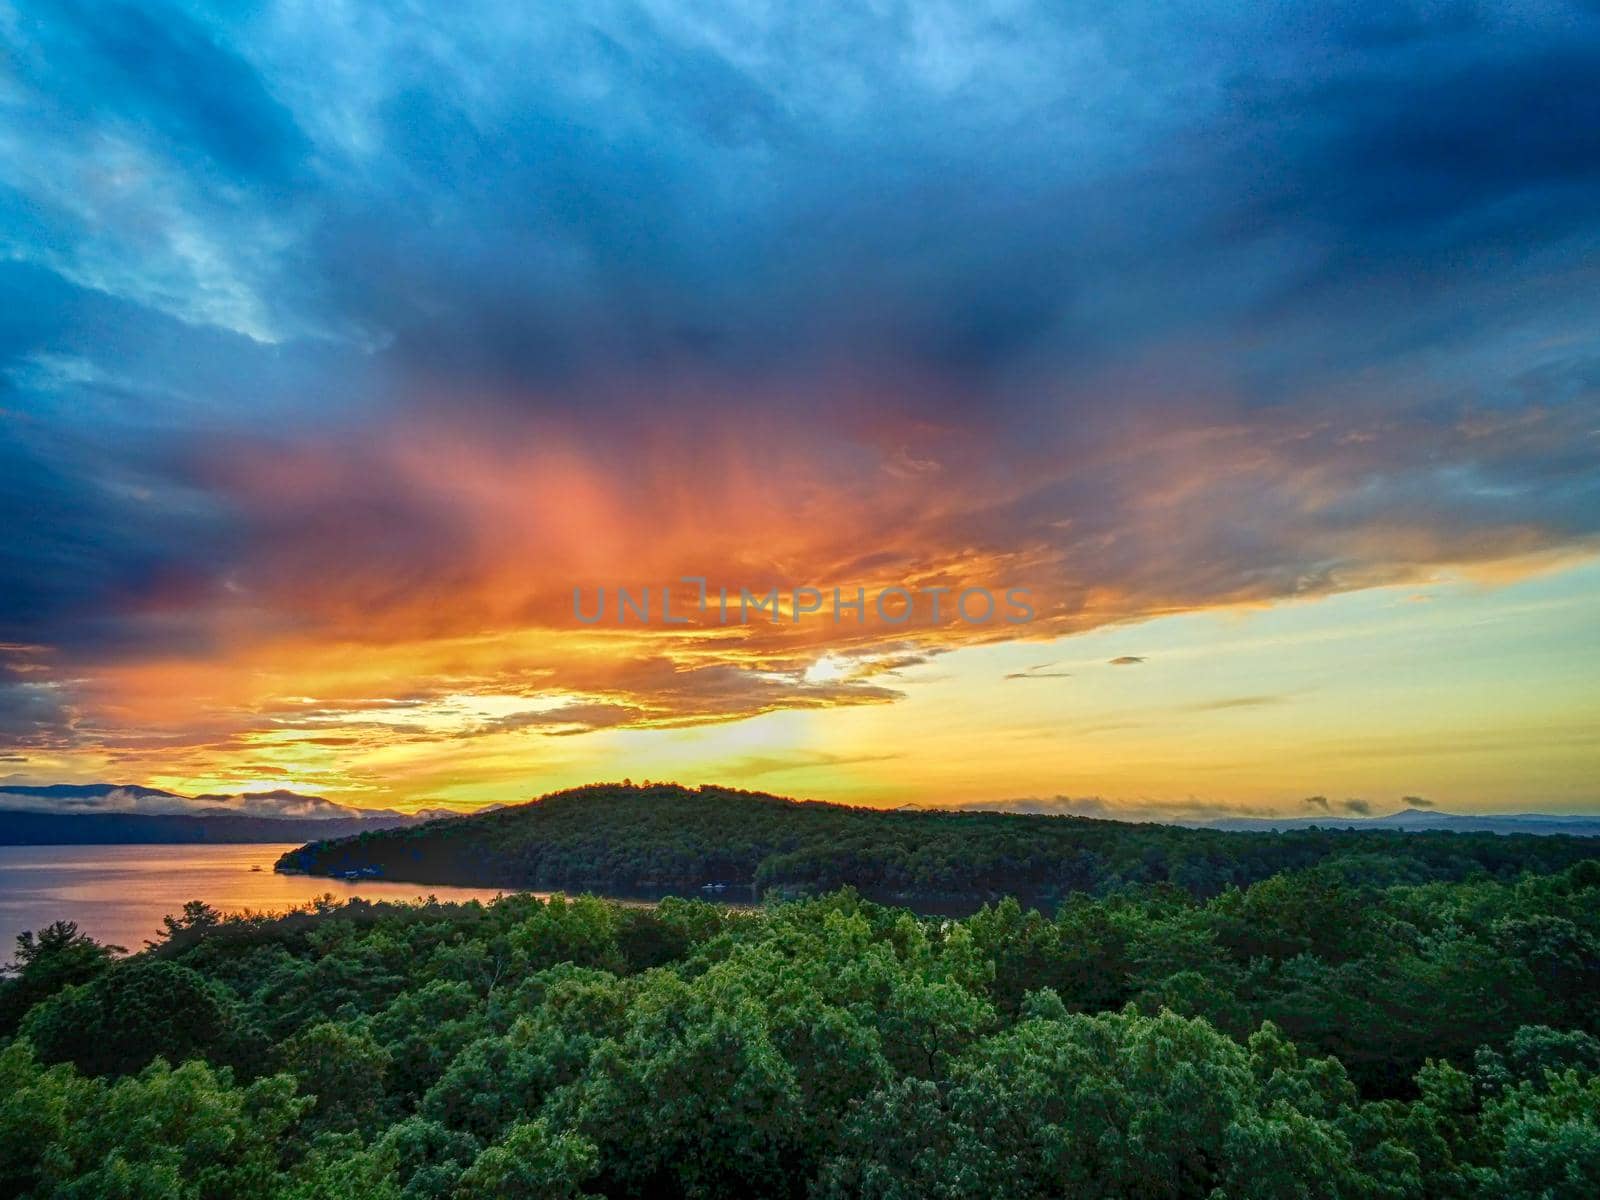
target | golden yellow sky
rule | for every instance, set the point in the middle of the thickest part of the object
(1472, 694)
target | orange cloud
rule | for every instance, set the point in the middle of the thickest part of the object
(411, 590)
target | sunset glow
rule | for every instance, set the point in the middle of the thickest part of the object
(319, 403)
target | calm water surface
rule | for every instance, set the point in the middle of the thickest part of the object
(119, 894)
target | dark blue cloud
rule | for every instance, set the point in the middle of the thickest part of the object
(162, 70)
(101, 546)
(1407, 150)
(33, 714)
(1358, 233)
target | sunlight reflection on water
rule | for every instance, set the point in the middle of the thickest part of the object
(119, 894)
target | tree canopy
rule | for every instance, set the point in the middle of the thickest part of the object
(1314, 1034)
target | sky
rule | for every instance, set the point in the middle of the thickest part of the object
(1259, 346)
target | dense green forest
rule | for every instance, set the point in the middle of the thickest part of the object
(621, 838)
(1326, 1032)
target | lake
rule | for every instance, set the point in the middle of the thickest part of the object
(119, 894)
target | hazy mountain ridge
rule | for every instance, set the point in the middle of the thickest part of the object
(109, 813)
(1419, 820)
(125, 829)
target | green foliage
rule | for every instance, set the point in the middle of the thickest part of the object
(428, 1159)
(698, 1068)
(342, 1067)
(1548, 1139)
(57, 957)
(1114, 1105)
(530, 1163)
(184, 1132)
(132, 1013)
(1355, 1028)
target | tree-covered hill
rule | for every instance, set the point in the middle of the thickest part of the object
(620, 838)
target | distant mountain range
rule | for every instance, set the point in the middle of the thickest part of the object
(108, 813)
(1420, 820)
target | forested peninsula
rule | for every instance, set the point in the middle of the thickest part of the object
(665, 839)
